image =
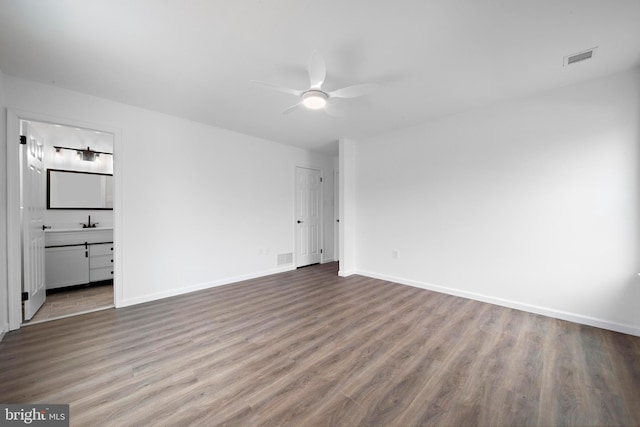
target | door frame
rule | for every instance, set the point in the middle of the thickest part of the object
(295, 205)
(14, 252)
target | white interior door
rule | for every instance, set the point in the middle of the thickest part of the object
(308, 217)
(336, 213)
(32, 219)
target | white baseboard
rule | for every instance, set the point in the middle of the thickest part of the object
(3, 330)
(327, 260)
(545, 311)
(201, 286)
(347, 273)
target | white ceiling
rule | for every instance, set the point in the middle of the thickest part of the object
(195, 59)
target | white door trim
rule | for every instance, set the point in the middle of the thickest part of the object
(14, 257)
(295, 200)
(14, 251)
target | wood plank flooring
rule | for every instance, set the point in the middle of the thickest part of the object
(308, 348)
(73, 301)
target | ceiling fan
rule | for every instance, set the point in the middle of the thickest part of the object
(315, 98)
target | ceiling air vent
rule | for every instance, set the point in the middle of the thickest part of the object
(580, 56)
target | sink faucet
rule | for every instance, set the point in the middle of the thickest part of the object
(88, 224)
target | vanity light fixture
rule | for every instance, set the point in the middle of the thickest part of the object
(87, 154)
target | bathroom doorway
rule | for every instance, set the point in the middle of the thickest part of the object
(77, 253)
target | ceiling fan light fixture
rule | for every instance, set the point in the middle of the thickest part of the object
(314, 99)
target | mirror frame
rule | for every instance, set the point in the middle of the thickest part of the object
(71, 208)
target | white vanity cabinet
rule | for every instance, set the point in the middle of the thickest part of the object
(66, 266)
(77, 257)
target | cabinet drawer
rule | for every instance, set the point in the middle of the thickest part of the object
(101, 249)
(98, 274)
(101, 261)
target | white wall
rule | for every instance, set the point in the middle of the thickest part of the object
(200, 206)
(531, 204)
(4, 313)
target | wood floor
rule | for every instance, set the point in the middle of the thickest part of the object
(74, 300)
(309, 348)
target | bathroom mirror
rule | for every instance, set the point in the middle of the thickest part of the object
(79, 190)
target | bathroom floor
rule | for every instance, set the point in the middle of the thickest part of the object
(75, 301)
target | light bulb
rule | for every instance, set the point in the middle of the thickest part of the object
(314, 99)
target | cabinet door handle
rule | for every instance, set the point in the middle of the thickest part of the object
(111, 260)
(86, 254)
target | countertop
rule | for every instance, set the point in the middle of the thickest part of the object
(66, 230)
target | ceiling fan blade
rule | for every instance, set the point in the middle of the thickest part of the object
(279, 88)
(353, 91)
(293, 108)
(317, 71)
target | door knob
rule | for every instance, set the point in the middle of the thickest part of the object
(299, 222)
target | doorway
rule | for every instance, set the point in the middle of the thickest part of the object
(308, 216)
(80, 150)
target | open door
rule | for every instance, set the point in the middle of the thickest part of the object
(32, 208)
